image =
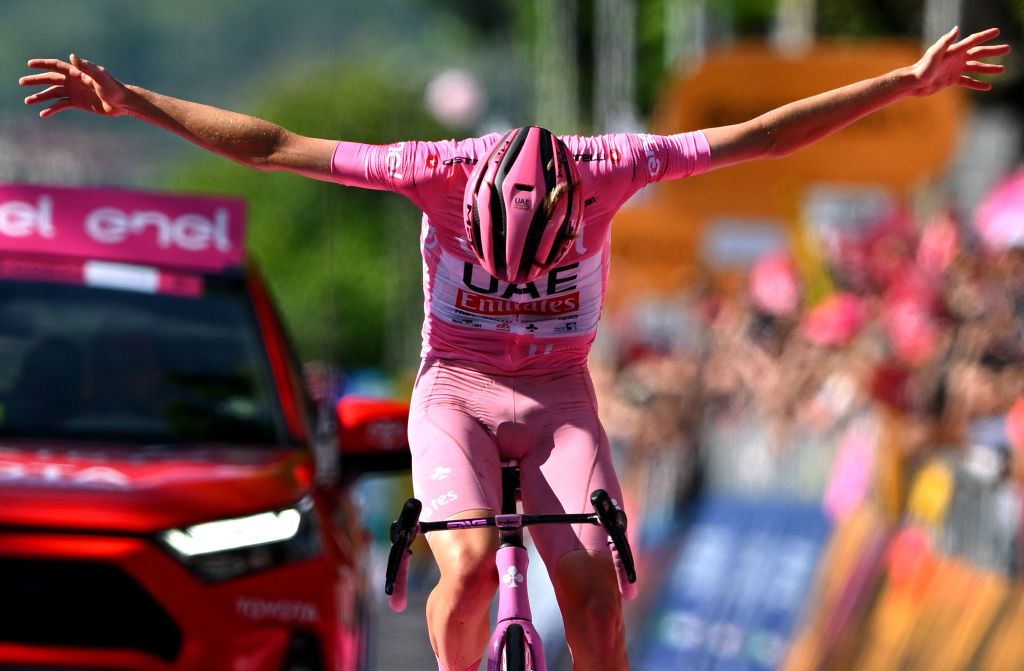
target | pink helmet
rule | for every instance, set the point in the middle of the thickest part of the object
(523, 205)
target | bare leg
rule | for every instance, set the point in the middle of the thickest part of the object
(458, 609)
(588, 595)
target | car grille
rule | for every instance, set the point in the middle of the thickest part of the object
(82, 604)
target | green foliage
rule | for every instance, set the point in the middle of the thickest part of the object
(651, 74)
(859, 19)
(343, 262)
(753, 17)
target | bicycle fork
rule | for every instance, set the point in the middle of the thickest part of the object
(512, 562)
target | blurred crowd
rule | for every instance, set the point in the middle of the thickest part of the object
(886, 383)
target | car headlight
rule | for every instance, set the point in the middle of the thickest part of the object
(230, 548)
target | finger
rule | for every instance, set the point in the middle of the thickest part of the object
(989, 51)
(78, 62)
(75, 73)
(51, 93)
(983, 68)
(93, 74)
(950, 37)
(85, 65)
(42, 78)
(54, 64)
(974, 84)
(943, 42)
(57, 107)
(977, 38)
(76, 66)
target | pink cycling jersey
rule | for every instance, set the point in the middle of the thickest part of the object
(474, 318)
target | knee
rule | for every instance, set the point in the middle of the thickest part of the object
(588, 588)
(473, 564)
(468, 572)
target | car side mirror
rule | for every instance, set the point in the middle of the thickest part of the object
(372, 435)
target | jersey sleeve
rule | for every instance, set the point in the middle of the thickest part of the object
(379, 167)
(422, 171)
(618, 165)
(662, 157)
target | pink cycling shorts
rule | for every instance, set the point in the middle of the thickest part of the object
(464, 422)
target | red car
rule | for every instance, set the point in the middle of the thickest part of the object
(170, 496)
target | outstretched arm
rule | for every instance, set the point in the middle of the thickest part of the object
(259, 144)
(790, 127)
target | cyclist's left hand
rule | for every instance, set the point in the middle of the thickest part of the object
(949, 63)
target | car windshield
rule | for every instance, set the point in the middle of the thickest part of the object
(96, 364)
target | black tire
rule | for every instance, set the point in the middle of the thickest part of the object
(514, 649)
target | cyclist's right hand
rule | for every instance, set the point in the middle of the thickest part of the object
(77, 84)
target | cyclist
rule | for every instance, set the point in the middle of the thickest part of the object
(515, 241)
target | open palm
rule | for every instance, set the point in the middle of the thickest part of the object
(950, 63)
(77, 84)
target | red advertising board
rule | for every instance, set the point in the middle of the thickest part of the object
(196, 233)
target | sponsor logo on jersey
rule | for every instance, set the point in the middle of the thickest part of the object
(432, 161)
(653, 162)
(468, 297)
(493, 306)
(394, 160)
(556, 282)
(455, 160)
(463, 321)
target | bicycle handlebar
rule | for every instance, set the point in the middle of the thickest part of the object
(613, 519)
(606, 514)
(403, 532)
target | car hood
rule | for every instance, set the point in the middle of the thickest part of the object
(143, 489)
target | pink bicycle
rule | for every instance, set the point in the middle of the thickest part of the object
(515, 644)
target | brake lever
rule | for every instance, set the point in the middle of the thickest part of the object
(614, 521)
(403, 533)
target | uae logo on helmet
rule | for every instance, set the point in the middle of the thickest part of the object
(522, 196)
